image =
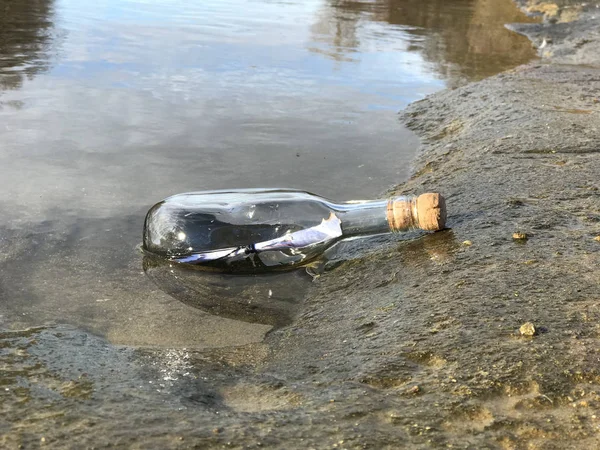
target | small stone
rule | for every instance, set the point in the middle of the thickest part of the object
(467, 243)
(518, 236)
(415, 390)
(527, 329)
(597, 238)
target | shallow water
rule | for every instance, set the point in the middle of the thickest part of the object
(107, 107)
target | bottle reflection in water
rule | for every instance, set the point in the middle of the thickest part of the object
(265, 298)
(250, 231)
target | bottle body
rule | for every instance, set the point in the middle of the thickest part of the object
(253, 230)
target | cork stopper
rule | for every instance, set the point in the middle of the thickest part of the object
(427, 212)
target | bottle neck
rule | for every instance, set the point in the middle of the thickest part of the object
(376, 216)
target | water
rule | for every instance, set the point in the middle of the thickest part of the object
(107, 107)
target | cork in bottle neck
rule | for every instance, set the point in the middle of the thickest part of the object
(425, 212)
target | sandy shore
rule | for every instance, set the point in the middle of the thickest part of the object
(431, 340)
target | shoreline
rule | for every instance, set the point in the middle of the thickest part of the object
(431, 333)
(416, 344)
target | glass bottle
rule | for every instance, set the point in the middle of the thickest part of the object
(268, 229)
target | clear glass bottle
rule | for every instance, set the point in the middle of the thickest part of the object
(266, 229)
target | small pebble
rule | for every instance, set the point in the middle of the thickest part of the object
(597, 238)
(467, 243)
(413, 390)
(518, 236)
(527, 329)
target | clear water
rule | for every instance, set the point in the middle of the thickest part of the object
(107, 107)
